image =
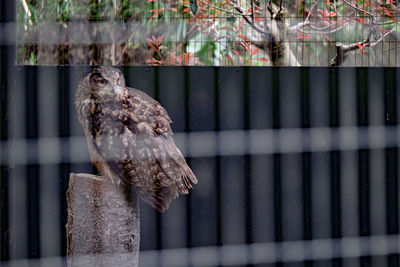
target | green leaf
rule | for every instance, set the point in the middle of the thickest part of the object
(206, 54)
(32, 59)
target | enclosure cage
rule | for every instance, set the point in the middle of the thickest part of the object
(297, 166)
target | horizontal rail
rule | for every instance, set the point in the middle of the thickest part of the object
(257, 253)
(73, 149)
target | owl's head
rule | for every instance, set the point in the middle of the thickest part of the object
(102, 83)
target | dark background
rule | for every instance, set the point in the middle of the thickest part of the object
(243, 198)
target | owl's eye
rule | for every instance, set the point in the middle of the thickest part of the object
(101, 81)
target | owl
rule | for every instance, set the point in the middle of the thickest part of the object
(130, 139)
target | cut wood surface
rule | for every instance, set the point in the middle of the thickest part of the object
(103, 227)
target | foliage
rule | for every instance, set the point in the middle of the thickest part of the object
(220, 32)
(165, 56)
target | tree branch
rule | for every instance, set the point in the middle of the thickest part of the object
(252, 11)
(27, 11)
(252, 25)
(342, 50)
(307, 20)
(222, 9)
(280, 6)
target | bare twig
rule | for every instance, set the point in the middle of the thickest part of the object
(270, 7)
(381, 38)
(342, 50)
(359, 9)
(307, 20)
(298, 26)
(364, 11)
(252, 10)
(280, 6)
(320, 31)
(252, 25)
(321, 28)
(311, 9)
(27, 11)
(223, 9)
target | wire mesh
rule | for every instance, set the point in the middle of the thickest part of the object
(206, 32)
(296, 166)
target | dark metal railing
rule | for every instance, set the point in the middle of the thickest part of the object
(242, 198)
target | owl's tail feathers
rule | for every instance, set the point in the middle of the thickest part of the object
(187, 177)
(190, 175)
(161, 199)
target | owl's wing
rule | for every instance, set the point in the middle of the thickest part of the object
(144, 155)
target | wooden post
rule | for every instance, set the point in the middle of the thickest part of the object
(103, 227)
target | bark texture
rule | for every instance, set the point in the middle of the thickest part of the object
(103, 227)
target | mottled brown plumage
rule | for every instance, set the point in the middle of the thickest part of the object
(130, 138)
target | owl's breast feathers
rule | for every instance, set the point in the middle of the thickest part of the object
(131, 139)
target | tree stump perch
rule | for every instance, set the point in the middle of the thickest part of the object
(103, 227)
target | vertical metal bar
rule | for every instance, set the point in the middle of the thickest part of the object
(188, 211)
(217, 127)
(277, 163)
(291, 169)
(4, 222)
(49, 196)
(320, 161)
(348, 164)
(260, 117)
(174, 224)
(218, 168)
(248, 182)
(391, 160)
(306, 160)
(291, 180)
(7, 14)
(32, 170)
(201, 105)
(233, 189)
(335, 165)
(377, 158)
(397, 73)
(363, 162)
(64, 131)
(158, 215)
(17, 171)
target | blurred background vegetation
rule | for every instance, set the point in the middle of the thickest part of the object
(92, 15)
(208, 32)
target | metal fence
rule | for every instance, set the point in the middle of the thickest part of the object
(206, 32)
(295, 165)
